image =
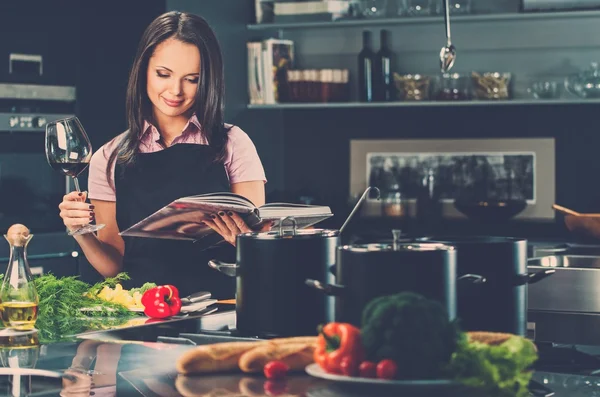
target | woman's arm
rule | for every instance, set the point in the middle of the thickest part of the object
(252, 190)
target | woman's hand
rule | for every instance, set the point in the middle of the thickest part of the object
(74, 211)
(230, 224)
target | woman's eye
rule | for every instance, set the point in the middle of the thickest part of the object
(162, 75)
(193, 80)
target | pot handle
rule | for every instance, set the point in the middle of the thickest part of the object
(328, 289)
(229, 269)
(534, 277)
(472, 278)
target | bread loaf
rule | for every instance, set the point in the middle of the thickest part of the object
(296, 355)
(223, 357)
(492, 338)
(214, 358)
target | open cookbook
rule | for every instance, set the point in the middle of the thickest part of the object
(183, 218)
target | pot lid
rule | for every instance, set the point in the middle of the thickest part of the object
(291, 234)
(414, 247)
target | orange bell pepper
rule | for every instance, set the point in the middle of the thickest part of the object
(335, 342)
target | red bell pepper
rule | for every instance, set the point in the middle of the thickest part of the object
(161, 302)
(336, 342)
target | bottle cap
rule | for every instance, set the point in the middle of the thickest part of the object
(18, 235)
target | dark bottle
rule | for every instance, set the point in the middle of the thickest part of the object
(365, 70)
(382, 78)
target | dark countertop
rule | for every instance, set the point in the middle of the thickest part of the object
(129, 362)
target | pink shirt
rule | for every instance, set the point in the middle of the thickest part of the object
(242, 163)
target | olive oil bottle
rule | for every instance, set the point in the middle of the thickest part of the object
(18, 297)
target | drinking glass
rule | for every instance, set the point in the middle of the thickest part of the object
(68, 150)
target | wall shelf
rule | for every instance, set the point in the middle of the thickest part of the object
(425, 20)
(513, 102)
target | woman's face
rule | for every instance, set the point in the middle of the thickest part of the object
(173, 73)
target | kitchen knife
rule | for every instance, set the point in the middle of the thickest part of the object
(195, 297)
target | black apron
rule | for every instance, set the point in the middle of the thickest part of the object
(153, 181)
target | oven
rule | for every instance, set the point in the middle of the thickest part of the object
(30, 190)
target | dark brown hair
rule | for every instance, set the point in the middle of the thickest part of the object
(210, 96)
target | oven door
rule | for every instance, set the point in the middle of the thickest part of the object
(30, 190)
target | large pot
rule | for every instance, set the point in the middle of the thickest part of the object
(501, 303)
(272, 298)
(365, 272)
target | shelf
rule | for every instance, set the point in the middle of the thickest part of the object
(513, 102)
(425, 20)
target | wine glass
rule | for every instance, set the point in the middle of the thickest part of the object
(68, 150)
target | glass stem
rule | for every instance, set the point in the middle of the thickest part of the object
(76, 184)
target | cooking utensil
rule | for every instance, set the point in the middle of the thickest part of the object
(500, 304)
(565, 210)
(358, 204)
(195, 297)
(448, 52)
(271, 297)
(365, 272)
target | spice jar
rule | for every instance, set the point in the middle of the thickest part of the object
(453, 87)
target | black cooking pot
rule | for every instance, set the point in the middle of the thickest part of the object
(365, 272)
(272, 298)
(501, 303)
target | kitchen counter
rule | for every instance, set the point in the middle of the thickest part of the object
(130, 362)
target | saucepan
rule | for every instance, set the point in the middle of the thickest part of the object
(501, 304)
(272, 298)
(367, 271)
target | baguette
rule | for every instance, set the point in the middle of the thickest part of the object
(214, 358)
(223, 357)
(311, 340)
(295, 355)
(493, 338)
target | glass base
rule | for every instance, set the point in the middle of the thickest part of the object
(86, 229)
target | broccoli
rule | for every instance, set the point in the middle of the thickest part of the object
(413, 331)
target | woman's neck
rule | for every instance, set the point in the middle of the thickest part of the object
(170, 127)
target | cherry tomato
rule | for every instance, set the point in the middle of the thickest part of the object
(367, 369)
(349, 366)
(275, 370)
(387, 369)
(275, 388)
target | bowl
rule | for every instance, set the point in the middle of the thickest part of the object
(491, 85)
(412, 87)
(545, 90)
(490, 210)
(584, 226)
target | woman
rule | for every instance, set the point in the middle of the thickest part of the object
(177, 145)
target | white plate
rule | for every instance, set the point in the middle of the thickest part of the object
(318, 372)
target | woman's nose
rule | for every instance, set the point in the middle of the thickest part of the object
(176, 87)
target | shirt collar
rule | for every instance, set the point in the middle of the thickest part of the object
(149, 128)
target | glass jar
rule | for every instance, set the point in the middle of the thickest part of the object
(374, 8)
(415, 8)
(453, 87)
(457, 7)
(393, 205)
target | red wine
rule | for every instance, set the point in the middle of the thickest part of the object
(72, 169)
(365, 70)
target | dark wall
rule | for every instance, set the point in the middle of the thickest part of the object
(317, 142)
